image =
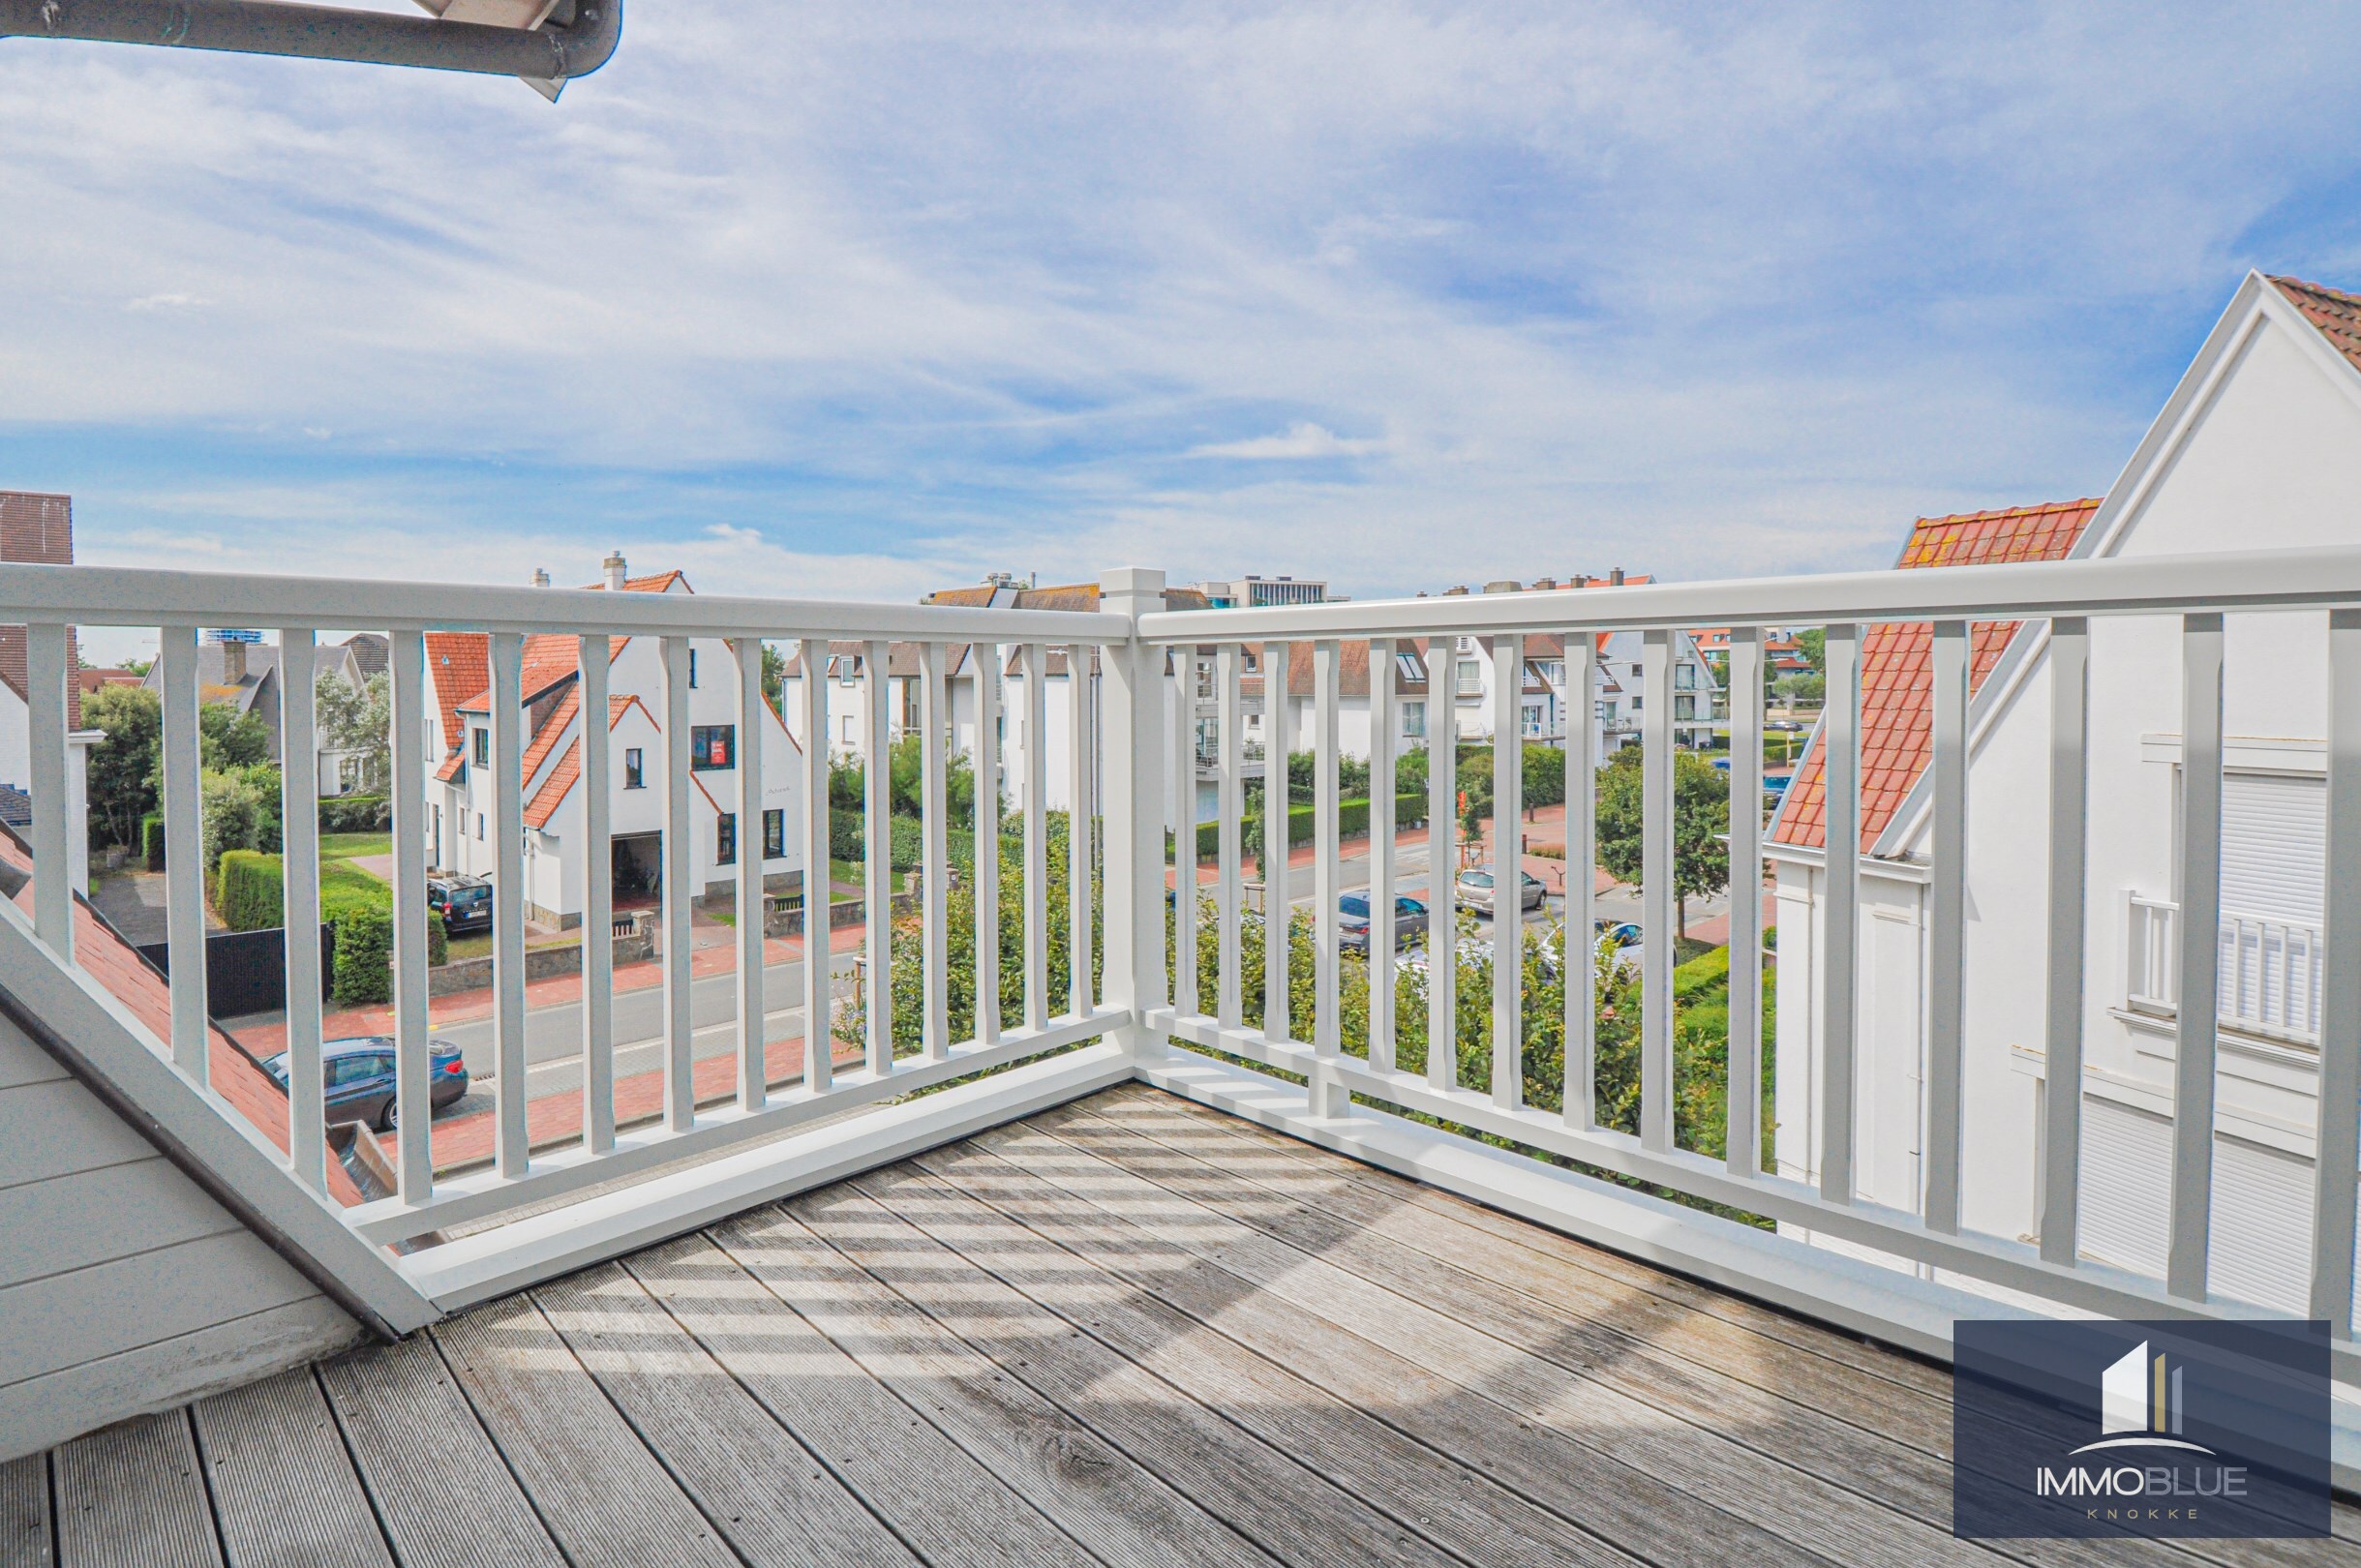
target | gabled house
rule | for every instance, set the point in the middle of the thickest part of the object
(460, 803)
(2258, 449)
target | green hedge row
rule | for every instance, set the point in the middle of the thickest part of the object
(249, 890)
(355, 814)
(151, 841)
(364, 952)
(1351, 819)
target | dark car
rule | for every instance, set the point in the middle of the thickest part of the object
(463, 902)
(1352, 921)
(358, 1075)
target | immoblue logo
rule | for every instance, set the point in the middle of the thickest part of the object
(2199, 1430)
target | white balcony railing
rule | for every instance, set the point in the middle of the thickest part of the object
(536, 1207)
(2272, 972)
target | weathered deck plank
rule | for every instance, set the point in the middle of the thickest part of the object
(600, 1490)
(129, 1496)
(437, 1484)
(24, 1513)
(1459, 1508)
(946, 1503)
(1286, 1508)
(283, 1487)
(1123, 1514)
(772, 1501)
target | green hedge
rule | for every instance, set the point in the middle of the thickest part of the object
(249, 890)
(846, 835)
(364, 952)
(151, 841)
(909, 843)
(355, 814)
(1351, 817)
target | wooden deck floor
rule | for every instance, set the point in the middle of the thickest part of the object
(1131, 1332)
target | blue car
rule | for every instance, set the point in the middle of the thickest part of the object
(358, 1077)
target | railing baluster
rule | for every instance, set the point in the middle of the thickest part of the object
(1382, 726)
(299, 898)
(1328, 1097)
(1278, 910)
(935, 805)
(2062, 1042)
(1443, 818)
(877, 880)
(1083, 754)
(1579, 939)
(509, 1090)
(1840, 952)
(819, 1058)
(413, 1050)
(1946, 937)
(2195, 1025)
(1186, 995)
(680, 887)
(1743, 1136)
(1037, 836)
(1660, 947)
(2335, 973)
(1507, 869)
(753, 1015)
(1231, 811)
(596, 719)
(184, 852)
(984, 657)
(45, 679)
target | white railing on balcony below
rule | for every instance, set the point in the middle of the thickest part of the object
(2272, 972)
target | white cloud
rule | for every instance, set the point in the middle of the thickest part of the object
(1303, 440)
(164, 302)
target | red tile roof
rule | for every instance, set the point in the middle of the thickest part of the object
(2337, 314)
(117, 967)
(461, 664)
(563, 773)
(1897, 678)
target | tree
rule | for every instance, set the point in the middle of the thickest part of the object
(122, 772)
(1804, 689)
(358, 721)
(1544, 777)
(228, 739)
(1701, 816)
(775, 678)
(1815, 647)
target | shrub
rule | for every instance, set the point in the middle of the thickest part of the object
(234, 813)
(355, 814)
(364, 949)
(151, 841)
(845, 831)
(908, 843)
(249, 890)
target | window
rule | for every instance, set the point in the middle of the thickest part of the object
(725, 839)
(711, 747)
(1408, 668)
(1684, 677)
(483, 748)
(634, 777)
(1471, 678)
(358, 1067)
(849, 736)
(1554, 673)
(692, 669)
(774, 834)
(1684, 706)
(1532, 720)
(1414, 720)
(479, 826)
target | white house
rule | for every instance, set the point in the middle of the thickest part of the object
(2258, 448)
(460, 804)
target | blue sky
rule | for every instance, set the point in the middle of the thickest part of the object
(858, 301)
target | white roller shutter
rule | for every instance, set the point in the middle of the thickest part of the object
(2262, 1226)
(2127, 1186)
(2274, 833)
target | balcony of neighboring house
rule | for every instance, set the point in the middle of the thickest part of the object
(2272, 974)
(886, 1232)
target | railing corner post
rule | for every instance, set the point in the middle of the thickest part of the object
(1134, 738)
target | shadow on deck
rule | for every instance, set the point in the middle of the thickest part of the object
(1132, 1331)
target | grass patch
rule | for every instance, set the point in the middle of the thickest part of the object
(346, 846)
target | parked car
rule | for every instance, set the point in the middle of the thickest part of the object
(358, 1077)
(1627, 934)
(1352, 921)
(1474, 889)
(463, 902)
(1784, 725)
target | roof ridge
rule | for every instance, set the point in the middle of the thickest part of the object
(2340, 295)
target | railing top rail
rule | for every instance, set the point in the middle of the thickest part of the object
(140, 596)
(2253, 580)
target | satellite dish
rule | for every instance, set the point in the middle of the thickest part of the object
(545, 43)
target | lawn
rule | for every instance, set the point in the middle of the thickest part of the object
(347, 846)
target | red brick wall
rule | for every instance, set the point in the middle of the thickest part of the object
(39, 529)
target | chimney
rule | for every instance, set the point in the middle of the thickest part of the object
(1615, 578)
(39, 529)
(1456, 591)
(1506, 585)
(615, 572)
(233, 661)
(540, 578)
